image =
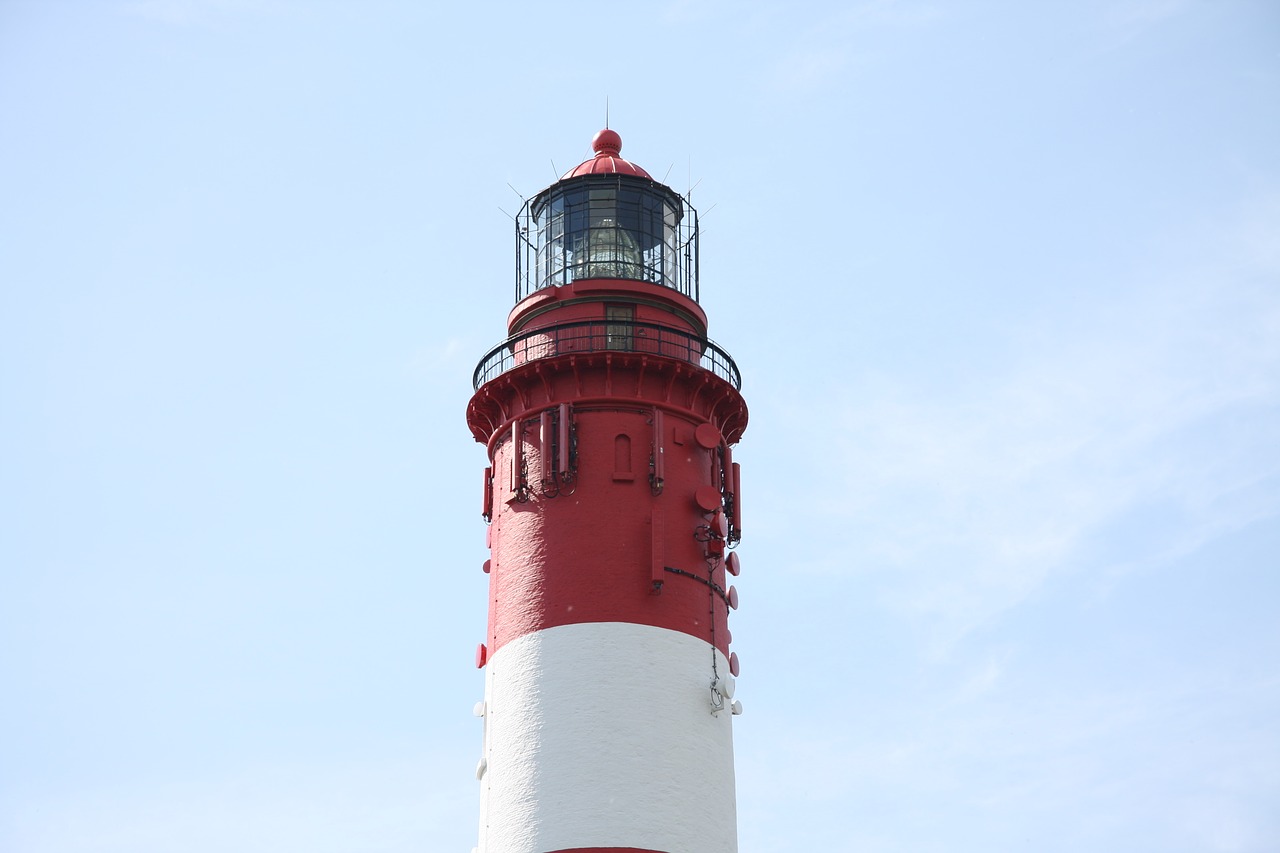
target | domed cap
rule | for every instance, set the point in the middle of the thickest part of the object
(607, 144)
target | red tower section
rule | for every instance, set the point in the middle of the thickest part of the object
(613, 499)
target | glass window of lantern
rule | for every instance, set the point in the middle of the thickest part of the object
(670, 244)
(550, 244)
(612, 227)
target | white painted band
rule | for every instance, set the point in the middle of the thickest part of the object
(602, 735)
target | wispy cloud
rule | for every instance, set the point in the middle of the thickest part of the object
(808, 68)
(440, 360)
(386, 804)
(189, 13)
(1135, 15)
(1151, 424)
(839, 41)
(1075, 767)
(1123, 23)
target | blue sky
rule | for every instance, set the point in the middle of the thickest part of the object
(1003, 280)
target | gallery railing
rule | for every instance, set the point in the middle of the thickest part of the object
(606, 336)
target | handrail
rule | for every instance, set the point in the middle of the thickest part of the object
(621, 336)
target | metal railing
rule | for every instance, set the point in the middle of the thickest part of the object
(621, 336)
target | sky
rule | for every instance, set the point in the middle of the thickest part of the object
(1003, 282)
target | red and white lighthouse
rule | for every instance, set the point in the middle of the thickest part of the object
(613, 502)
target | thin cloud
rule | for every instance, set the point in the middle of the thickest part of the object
(382, 803)
(808, 69)
(440, 361)
(966, 500)
(189, 13)
(841, 41)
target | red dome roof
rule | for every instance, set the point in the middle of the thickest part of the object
(607, 144)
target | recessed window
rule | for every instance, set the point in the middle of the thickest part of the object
(618, 326)
(622, 457)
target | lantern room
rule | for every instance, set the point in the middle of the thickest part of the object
(607, 219)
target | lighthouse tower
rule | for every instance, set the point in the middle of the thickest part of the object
(613, 502)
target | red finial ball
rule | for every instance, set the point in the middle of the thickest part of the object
(607, 143)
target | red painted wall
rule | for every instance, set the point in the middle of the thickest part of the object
(590, 552)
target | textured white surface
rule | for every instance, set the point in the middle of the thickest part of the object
(601, 735)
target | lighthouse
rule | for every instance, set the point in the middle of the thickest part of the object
(613, 505)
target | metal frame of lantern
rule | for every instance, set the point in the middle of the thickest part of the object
(583, 228)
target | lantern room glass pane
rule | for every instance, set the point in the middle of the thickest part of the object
(608, 228)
